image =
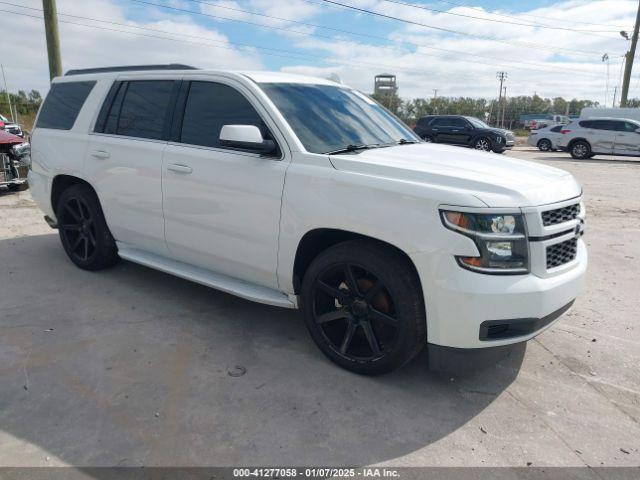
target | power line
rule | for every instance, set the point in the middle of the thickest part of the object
(511, 63)
(269, 51)
(445, 12)
(457, 32)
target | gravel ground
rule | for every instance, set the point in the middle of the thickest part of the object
(134, 367)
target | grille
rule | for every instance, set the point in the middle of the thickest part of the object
(560, 215)
(562, 252)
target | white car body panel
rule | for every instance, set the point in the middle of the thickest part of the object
(234, 221)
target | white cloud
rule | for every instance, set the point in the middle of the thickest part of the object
(423, 59)
(100, 45)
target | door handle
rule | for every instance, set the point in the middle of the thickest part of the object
(174, 167)
(100, 154)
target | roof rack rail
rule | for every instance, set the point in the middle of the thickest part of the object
(130, 68)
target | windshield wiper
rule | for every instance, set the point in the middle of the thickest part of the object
(353, 148)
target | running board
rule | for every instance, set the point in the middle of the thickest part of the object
(240, 288)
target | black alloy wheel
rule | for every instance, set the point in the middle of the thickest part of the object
(355, 312)
(363, 307)
(427, 138)
(83, 231)
(78, 229)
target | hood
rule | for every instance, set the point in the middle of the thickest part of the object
(496, 180)
(502, 131)
(6, 137)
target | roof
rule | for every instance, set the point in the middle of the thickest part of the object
(256, 76)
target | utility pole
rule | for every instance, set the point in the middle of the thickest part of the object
(502, 76)
(435, 95)
(53, 39)
(629, 64)
(6, 90)
(615, 93)
(504, 106)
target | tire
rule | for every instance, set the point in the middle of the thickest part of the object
(499, 151)
(83, 230)
(580, 150)
(18, 187)
(544, 145)
(482, 143)
(363, 306)
(428, 138)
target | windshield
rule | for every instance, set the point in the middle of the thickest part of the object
(328, 118)
(477, 123)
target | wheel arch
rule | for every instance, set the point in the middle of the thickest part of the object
(60, 183)
(574, 140)
(315, 241)
(543, 139)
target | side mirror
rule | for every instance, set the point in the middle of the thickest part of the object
(637, 130)
(246, 137)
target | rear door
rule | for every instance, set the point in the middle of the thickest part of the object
(222, 206)
(443, 130)
(600, 134)
(124, 159)
(627, 140)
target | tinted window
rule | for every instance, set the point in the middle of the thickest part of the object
(144, 109)
(626, 127)
(557, 128)
(327, 118)
(62, 105)
(586, 124)
(209, 107)
(441, 122)
(424, 121)
(459, 122)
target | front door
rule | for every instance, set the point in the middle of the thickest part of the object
(602, 134)
(222, 206)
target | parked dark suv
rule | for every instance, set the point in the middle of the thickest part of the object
(467, 131)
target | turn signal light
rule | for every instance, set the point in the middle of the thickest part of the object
(471, 261)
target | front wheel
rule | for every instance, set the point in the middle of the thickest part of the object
(363, 306)
(580, 150)
(83, 230)
(483, 144)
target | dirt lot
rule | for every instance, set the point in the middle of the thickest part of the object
(132, 367)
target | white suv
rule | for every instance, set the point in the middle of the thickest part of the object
(601, 136)
(301, 192)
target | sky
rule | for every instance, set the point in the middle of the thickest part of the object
(552, 48)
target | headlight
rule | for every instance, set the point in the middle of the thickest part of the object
(500, 238)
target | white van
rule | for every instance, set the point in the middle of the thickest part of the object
(303, 193)
(626, 113)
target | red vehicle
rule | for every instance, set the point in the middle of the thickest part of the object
(14, 161)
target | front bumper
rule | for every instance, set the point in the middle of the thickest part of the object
(459, 302)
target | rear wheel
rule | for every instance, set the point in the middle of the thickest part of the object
(363, 306)
(427, 138)
(83, 229)
(544, 145)
(483, 144)
(580, 149)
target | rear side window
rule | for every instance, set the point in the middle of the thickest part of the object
(209, 107)
(587, 124)
(63, 104)
(557, 128)
(144, 109)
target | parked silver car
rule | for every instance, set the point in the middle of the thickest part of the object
(545, 139)
(601, 136)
